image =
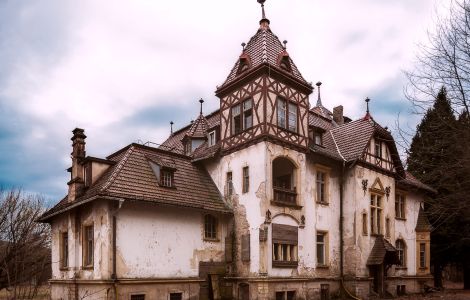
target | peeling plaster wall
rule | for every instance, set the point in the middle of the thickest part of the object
(96, 213)
(160, 242)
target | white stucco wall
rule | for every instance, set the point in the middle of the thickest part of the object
(160, 242)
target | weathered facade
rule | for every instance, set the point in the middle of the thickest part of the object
(265, 198)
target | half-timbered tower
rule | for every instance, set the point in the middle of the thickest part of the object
(267, 197)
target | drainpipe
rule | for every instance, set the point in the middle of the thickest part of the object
(114, 274)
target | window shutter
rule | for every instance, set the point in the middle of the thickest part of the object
(246, 247)
(228, 248)
(285, 234)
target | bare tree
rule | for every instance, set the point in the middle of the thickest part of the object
(24, 244)
(445, 61)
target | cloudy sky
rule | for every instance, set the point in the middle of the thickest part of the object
(122, 70)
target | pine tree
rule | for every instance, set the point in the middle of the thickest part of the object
(439, 156)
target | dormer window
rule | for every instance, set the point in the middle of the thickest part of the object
(378, 148)
(166, 178)
(211, 138)
(285, 64)
(243, 64)
(187, 147)
(318, 138)
(242, 116)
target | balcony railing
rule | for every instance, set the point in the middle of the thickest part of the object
(285, 195)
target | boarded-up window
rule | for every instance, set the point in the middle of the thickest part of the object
(138, 297)
(176, 296)
(285, 234)
(285, 240)
(246, 247)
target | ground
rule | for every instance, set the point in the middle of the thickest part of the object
(447, 294)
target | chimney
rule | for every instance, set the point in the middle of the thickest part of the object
(338, 115)
(77, 181)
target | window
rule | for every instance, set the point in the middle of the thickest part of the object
(138, 297)
(88, 238)
(176, 296)
(210, 227)
(321, 187)
(401, 290)
(284, 181)
(387, 227)
(400, 245)
(242, 116)
(324, 291)
(286, 115)
(187, 147)
(229, 184)
(166, 178)
(322, 248)
(64, 250)
(378, 148)
(211, 138)
(285, 241)
(318, 138)
(422, 255)
(375, 214)
(285, 295)
(364, 223)
(246, 180)
(400, 206)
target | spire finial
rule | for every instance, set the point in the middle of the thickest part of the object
(367, 116)
(318, 84)
(264, 21)
(243, 46)
(285, 44)
(171, 127)
(201, 101)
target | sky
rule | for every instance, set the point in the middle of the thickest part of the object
(122, 70)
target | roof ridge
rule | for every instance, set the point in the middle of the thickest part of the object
(118, 169)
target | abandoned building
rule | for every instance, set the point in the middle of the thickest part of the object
(269, 197)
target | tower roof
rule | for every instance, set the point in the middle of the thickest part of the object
(422, 224)
(264, 48)
(199, 128)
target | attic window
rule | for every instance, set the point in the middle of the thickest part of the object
(285, 63)
(187, 148)
(243, 65)
(211, 138)
(166, 178)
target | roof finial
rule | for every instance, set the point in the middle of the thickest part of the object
(264, 21)
(367, 116)
(201, 101)
(243, 46)
(318, 84)
(285, 44)
(171, 127)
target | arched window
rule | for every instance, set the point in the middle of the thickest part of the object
(284, 181)
(401, 249)
(210, 227)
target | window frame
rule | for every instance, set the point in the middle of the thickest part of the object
(180, 294)
(422, 255)
(245, 179)
(64, 250)
(164, 179)
(212, 233)
(211, 138)
(376, 213)
(400, 205)
(401, 249)
(229, 183)
(324, 246)
(87, 249)
(284, 294)
(326, 184)
(243, 116)
(137, 295)
(284, 245)
(286, 114)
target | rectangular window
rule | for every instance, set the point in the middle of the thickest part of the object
(210, 227)
(211, 140)
(378, 148)
(387, 227)
(229, 184)
(375, 214)
(364, 223)
(242, 116)
(318, 138)
(246, 180)
(64, 250)
(88, 240)
(321, 248)
(166, 178)
(285, 241)
(138, 297)
(187, 147)
(176, 296)
(400, 206)
(285, 295)
(287, 114)
(321, 187)
(422, 255)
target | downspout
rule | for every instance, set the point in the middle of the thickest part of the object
(114, 274)
(341, 223)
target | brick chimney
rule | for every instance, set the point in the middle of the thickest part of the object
(338, 115)
(77, 181)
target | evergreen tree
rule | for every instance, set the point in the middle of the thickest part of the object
(439, 156)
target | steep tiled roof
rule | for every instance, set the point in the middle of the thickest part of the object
(382, 252)
(199, 128)
(132, 178)
(352, 138)
(413, 182)
(422, 224)
(264, 47)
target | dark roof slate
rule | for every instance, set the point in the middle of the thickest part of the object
(132, 178)
(382, 252)
(422, 224)
(264, 47)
